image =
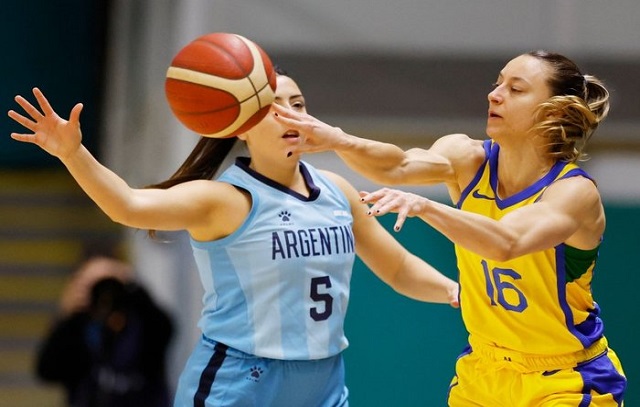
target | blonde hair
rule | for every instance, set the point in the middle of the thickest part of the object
(569, 118)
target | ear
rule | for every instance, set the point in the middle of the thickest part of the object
(242, 136)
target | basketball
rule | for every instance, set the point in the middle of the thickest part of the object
(220, 85)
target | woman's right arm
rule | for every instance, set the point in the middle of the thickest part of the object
(188, 206)
(384, 163)
(403, 271)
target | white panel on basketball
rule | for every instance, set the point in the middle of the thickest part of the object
(242, 88)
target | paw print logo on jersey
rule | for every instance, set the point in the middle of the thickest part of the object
(254, 374)
(285, 217)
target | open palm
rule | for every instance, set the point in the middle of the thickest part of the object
(52, 133)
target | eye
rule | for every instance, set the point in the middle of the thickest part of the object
(298, 105)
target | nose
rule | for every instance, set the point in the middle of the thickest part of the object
(495, 96)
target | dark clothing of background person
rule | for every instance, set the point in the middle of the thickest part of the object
(113, 353)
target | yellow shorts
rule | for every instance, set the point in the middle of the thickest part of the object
(491, 377)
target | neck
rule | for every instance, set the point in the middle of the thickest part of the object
(520, 168)
(285, 172)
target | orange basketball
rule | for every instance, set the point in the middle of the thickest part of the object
(220, 85)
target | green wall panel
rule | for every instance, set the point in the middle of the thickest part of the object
(58, 47)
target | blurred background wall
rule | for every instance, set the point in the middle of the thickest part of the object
(406, 71)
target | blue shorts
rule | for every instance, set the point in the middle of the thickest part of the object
(217, 375)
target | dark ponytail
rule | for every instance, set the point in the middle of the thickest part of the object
(203, 163)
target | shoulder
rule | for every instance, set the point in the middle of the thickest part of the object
(364, 226)
(580, 190)
(207, 196)
(455, 149)
(345, 186)
(578, 198)
(214, 201)
(336, 179)
(464, 156)
(213, 189)
(459, 145)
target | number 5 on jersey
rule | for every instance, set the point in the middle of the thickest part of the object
(319, 294)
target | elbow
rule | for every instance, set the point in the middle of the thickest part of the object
(126, 212)
(503, 252)
(118, 218)
(395, 282)
(405, 291)
(125, 218)
(501, 255)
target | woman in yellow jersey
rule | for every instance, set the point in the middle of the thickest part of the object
(527, 226)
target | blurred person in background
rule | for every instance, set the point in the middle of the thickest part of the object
(108, 344)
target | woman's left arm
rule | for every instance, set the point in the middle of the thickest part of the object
(405, 272)
(570, 211)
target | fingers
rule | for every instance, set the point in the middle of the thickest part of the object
(43, 102)
(31, 110)
(74, 117)
(283, 116)
(20, 119)
(281, 111)
(372, 197)
(382, 200)
(400, 221)
(387, 200)
(26, 138)
(28, 108)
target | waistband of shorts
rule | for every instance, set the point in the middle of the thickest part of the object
(532, 362)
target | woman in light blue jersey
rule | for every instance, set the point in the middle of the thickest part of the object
(527, 228)
(274, 239)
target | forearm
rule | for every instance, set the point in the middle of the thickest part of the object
(110, 192)
(418, 280)
(406, 273)
(474, 232)
(375, 160)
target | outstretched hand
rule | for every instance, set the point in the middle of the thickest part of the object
(386, 200)
(318, 136)
(50, 132)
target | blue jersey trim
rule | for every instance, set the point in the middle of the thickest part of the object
(487, 150)
(314, 191)
(525, 193)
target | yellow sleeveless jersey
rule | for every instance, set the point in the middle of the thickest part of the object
(539, 303)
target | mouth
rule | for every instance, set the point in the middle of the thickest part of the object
(291, 134)
(494, 115)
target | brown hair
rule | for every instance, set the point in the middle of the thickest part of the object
(577, 106)
(203, 162)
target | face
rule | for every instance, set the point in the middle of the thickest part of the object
(520, 88)
(269, 137)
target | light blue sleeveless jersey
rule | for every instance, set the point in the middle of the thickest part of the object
(278, 287)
